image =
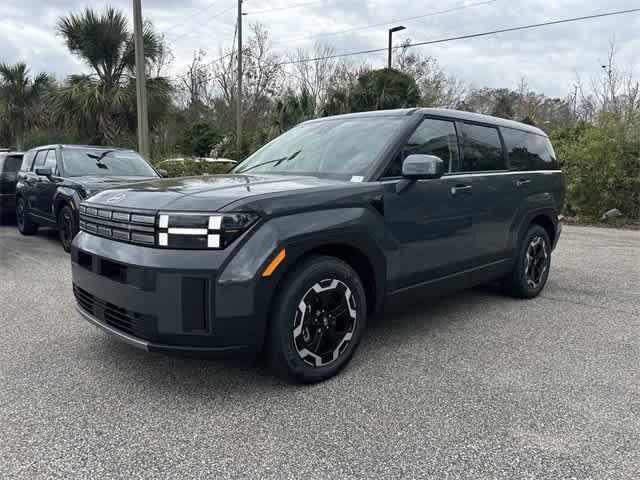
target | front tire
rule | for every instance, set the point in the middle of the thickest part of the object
(318, 320)
(66, 228)
(533, 262)
(26, 226)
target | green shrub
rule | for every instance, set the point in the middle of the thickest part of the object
(192, 167)
(602, 166)
(198, 138)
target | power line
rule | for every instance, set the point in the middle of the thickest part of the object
(195, 13)
(219, 14)
(463, 37)
(407, 19)
(285, 7)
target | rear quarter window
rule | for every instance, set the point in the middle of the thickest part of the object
(528, 151)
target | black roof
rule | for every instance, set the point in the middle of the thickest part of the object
(444, 113)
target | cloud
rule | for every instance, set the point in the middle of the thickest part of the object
(549, 58)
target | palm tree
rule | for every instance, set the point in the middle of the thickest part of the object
(19, 98)
(105, 99)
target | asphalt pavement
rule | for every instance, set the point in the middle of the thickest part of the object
(474, 385)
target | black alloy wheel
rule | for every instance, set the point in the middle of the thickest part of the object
(317, 320)
(536, 261)
(324, 322)
(66, 228)
(25, 225)
(532, 265)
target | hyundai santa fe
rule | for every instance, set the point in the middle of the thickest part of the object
(54, 179)
(292, 252)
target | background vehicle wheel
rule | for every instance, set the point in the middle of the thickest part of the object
(530, 273)
(66, 228)
(318, 320)
(25, 225)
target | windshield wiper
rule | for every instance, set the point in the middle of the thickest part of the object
(99, 158)
(277, 161)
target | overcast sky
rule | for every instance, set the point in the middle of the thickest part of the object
(549, 58)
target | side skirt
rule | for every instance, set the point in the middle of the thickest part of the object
(454, 282)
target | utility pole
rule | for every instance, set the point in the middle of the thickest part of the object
(141, 83)
(239, 93)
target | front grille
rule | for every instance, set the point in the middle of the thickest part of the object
(125, 226)
(132, 323)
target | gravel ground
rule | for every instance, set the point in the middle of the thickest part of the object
(473, 385)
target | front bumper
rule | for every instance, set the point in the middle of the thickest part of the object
(166, 300)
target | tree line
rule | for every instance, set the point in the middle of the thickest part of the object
(595, 127)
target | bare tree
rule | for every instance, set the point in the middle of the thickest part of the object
(165, 57)
(436, 87)
(313, 71)
(195, 85)
(262, 80)
(616, 91)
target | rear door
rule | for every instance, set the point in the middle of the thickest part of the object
(431, 220)
(494, 192)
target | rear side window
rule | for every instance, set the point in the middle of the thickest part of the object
(432, 137)
(528, 151)
(482, 149)
(11, 163)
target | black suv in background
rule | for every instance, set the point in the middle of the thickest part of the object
(305, 239)
(54, 179)
(9, 165)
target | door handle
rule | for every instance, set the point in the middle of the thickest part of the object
(461, 189)
(522, 182)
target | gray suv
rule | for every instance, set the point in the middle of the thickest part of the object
(293, 250)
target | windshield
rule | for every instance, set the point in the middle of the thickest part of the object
(345, 147)
(96, 162)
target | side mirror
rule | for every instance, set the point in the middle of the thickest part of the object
(44, 172)
(163, 173)
(418, 166)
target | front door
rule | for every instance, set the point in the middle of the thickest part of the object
(431, 220)
(46, 187)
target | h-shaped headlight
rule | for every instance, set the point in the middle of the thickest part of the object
(200, 230)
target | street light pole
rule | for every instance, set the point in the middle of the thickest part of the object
(391, 31)
(141, 84)
(239, 93)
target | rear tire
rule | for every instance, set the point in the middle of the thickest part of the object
(66, 228)
(533, 262)
(317, 321)
(26, 226)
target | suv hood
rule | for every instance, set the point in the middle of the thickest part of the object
(207, 193)
(101, 183)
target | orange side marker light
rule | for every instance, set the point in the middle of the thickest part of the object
(274, 263)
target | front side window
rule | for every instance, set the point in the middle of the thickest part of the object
(41, 156)
(482, 149)
(97, 162)
(432, 137)
(334, 147)
(27, 161)
(50, 161)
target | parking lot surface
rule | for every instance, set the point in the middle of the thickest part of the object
(473, 385)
